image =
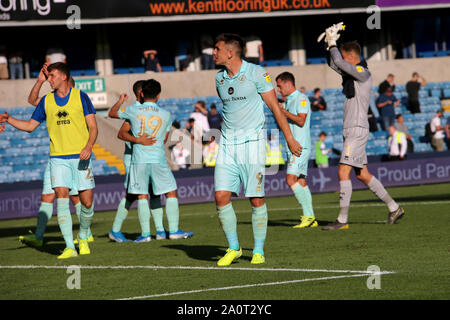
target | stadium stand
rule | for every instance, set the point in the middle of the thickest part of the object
(23, 156)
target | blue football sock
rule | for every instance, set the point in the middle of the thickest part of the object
(259, 223)
(228, 221)
(65, 221)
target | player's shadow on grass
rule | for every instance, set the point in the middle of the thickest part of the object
(204, 253)
(24, 231)
(52, 245)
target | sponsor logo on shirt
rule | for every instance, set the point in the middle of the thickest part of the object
(267, 77)
(230, 90)
(360, 69)
(62, 115)
(303, 102)
(241, 78)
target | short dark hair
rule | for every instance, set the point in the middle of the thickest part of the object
(232, 39)
(351, 46)
(137, 86)
(213, 106)
(398, 116)
(151, 88)
(202, 103)
(316, 89)
(322, 133)
(286, 76)
(61, 67)
(415, 74)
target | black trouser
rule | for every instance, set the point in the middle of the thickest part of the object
(414, 106)
(410, 146)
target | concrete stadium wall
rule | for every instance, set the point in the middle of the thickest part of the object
(14, 93)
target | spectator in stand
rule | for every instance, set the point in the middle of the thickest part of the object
(214, 118)
(386, 104)
(274, 154)
(207, 47)
(4, 74)
(210, 153)
(179, 155)
(200, 116)
(412, 88)
(54, 55)
(388, 83)
(447, 132)
(398, 144)
(254, 52)
(189, 128)
(151, 61)
(437, 141)
(16, 64)
(400, 126)
(322, 151)
(302, 90)
(317, 101)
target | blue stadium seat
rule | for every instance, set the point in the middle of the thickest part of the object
(168, 68)
(446, 93)
(316, 60)
(426, 54)
(86, 72)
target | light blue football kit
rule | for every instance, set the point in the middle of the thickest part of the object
(242, 149)
(297, 103)
(148, 163)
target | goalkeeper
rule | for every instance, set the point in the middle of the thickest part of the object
(357, 83)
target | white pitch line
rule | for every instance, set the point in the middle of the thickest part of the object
(380, 204)
(363, 272)
(242, 287)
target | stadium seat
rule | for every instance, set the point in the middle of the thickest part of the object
(441, 53)
(426, 54)
(317, 60)
(168, 68)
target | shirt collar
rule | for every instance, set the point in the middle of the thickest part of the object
(292, 95)
(241, 70)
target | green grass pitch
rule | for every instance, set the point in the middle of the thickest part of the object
(300, 264)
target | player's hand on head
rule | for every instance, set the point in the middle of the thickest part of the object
(146, 140)
(43, 74)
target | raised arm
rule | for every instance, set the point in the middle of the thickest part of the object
(114, 112)
(33, 97)
(91, 123)
(355, 71)
(271, 100)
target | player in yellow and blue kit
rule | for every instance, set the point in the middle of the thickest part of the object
(48, 195)
(297, 110)
(72, 129)
(148, 162)
(243, 88)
